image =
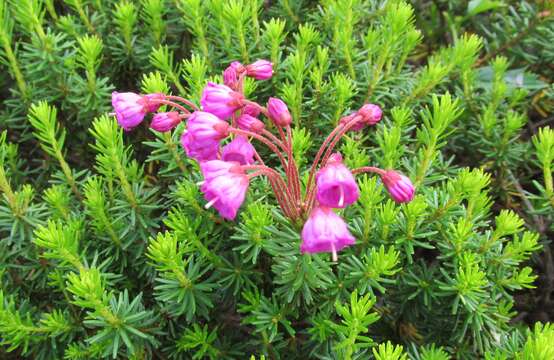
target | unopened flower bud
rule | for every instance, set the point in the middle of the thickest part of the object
(278, 112)
(165, 121)
(130, 108)
(371, 114)
(250, 123)
(260, 70)
(399, 186)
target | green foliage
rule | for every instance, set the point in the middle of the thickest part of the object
(106, 250)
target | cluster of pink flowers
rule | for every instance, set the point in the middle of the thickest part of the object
(229, 167)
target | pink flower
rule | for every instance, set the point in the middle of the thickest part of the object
(151, 104)
(399, 186)
(336, 186)
(325, 231)
(371, 114)
(278, 112)
(204, 126)
(130, 108)
(204, 131)
(165, 121)
(231, 74)
(260, 70)
(221, 100)
(368, 115)
(225, 186)
(250, 123)
(239, 150)
(201, 151)
(251, 109)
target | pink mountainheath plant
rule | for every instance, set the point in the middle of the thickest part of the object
(229, 168)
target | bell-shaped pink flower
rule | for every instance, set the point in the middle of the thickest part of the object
(221, 100)
(165, 121)
(250, 123)
(225, 185)
(399, 186)
(130, 108)
(325, 231)
(204, 126)
(278, 112)
(336, 186)
(239, 150)
(251, 109)
(260, 70)
(232, 73)
(368, 115)
(203, 134)
(201, 151)
(230, 78)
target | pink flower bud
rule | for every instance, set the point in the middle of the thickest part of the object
(260, 70)
(371, 114)
(368, 115)
(225, 185)
(221, 100)
(239, 150)
(399, 186)
(230, 78)
(165, 121)
(325, 231)
(130, 108)
(151, 104)
(250, 123)
(278, 112)
(231, 74)
(251, 109)
(336, 186)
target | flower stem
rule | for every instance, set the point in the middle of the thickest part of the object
(262, 139)
(170, 103)
(183, 100)
(370, 169)
(331, 140)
